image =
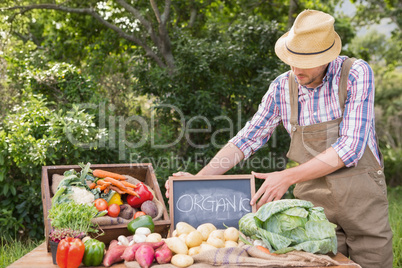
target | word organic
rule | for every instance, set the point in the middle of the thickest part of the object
(209, 203)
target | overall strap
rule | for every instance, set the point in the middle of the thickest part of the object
(342, 91)
(343, 82)
(294, 100)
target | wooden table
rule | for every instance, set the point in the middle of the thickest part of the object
(40, 258)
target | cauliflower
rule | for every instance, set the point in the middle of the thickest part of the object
(81, 195)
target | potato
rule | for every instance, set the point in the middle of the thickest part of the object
(194, 251)
(182, 260)
(216, 242)
(174, 233)
(184, 228)
(217, 234)
(205, 246)
(183, 237)
(150, 208)
(176, 245)
(154, 237)
(194, 239)
(230, 244)
(205, 229)
(231, 234)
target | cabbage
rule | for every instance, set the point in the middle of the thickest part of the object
(248, 224)
(291, 224)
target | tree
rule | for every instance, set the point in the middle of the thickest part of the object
(157, 34)
(373, 11)
(147, 25)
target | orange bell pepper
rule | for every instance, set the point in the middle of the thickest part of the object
(70, 252)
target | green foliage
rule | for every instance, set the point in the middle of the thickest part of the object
(61, 83)
(11, 249)
(372, 11)
(376, 48)
(395, 220)
(32, 136)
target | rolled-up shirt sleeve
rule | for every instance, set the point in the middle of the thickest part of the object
(358, 116)
(259, 129)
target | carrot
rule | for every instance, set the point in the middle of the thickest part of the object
(117, 190)
(106, 191)
(127, 184)
(101, 187)
(99, 173)
(116, 183)
(131, 192)
(121, 186)
(92, 185)
(265, 250)
(102, 182)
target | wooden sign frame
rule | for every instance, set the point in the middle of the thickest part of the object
(206, 178)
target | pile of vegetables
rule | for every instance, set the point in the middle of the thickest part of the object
(187, 241)
(74, 187)
(81, 197)
(290, 224)
(144, 246)
(104, 190)
(106, 181)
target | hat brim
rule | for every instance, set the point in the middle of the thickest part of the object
(307, 61)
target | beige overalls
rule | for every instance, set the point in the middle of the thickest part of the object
(354, 198)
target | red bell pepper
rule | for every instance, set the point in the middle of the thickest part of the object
(70, 252)
(144, 195)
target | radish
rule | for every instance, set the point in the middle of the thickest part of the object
(163, 254)
(145, 256)
(129, 253)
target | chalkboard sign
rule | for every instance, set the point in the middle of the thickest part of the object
(220, 200)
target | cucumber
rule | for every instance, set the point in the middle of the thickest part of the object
(142, 221)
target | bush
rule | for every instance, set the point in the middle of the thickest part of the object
(32, 135)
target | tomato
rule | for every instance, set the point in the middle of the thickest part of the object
(113, 210)
(139, 213)
(101, 204)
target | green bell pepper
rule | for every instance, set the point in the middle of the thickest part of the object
(94, 251)
(142, 221)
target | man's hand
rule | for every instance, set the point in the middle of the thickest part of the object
(177, 174)
(274, 187)
(277, 183)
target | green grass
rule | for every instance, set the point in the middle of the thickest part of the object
(395, 218)
(12, 251)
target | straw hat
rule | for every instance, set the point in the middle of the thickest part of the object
(311, 42)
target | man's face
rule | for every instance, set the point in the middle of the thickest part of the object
(310, 77)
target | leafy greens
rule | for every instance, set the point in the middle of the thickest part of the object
(291, 224)
(66, 191)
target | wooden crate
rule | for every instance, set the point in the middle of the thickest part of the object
(142, 171)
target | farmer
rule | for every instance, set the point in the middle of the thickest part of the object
(331, 124)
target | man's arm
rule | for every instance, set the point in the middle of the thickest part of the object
(277, 183)
(224, 160)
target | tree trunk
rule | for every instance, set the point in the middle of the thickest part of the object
(292, 13)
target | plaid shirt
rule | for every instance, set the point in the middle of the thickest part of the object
(318, 105)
